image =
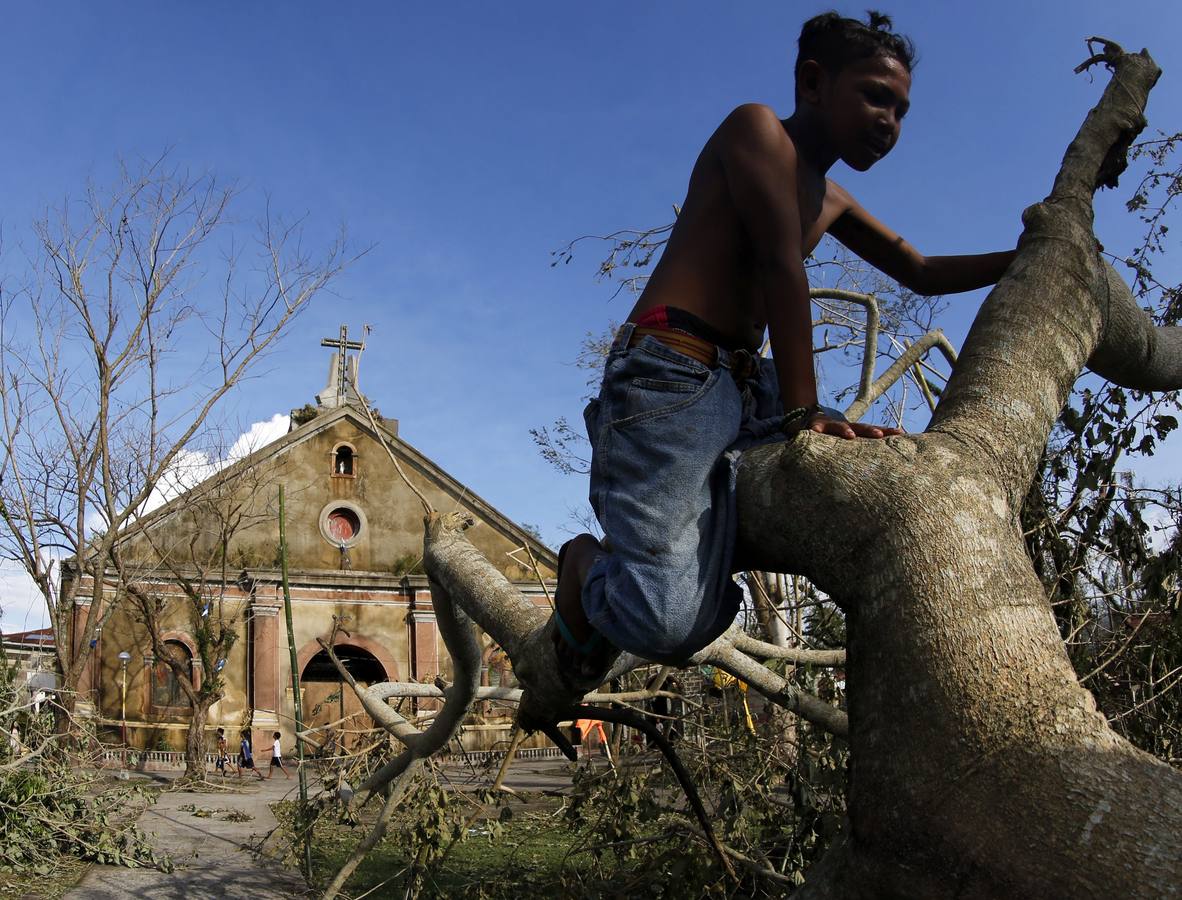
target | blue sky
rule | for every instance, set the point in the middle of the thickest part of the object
(466, 141)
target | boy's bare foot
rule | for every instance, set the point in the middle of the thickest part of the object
(584, 656)
(574, 561)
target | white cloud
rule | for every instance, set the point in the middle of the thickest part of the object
(191, 467)
(22, 608)
(259, 435)
(188, 469)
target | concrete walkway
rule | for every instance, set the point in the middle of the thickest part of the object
(211, 854)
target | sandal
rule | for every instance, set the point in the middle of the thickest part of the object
(581, 666)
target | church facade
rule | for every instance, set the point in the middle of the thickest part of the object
(354, 534)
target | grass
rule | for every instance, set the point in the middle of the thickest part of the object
(530, 852)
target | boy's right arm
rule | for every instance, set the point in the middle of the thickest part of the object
(759, 163)
(888, 252)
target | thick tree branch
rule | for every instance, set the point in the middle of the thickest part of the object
(1133, 351)
(484, 593)
(979, 766)
(1022, 356)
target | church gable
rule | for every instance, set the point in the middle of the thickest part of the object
(347, 506)
(354, 534)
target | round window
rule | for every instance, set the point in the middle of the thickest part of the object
(343, 525)
(342, 522)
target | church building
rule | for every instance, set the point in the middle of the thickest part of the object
(354, 537)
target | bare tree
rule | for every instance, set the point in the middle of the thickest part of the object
(188, 577)
(980, 765)
(140, 314)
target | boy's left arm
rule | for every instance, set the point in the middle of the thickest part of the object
(890, 254)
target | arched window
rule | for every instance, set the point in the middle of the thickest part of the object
(342, 460)
(166, 688)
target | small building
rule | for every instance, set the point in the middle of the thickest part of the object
(354, 535)
(31, 652)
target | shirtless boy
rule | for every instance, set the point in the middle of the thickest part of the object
(683, 394)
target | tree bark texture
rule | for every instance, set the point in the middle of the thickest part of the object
(195, 740)
(980, 766)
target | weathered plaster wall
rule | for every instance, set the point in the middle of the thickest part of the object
(391, 536)
(379, 601)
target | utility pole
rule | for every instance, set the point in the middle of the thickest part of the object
(304, 821)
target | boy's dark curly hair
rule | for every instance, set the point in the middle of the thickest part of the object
(835, 41)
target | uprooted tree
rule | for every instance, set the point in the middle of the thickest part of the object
(980, 767)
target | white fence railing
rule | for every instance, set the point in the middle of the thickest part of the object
(130, 758)
(481, 756)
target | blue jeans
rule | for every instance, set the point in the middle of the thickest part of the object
(666, 434)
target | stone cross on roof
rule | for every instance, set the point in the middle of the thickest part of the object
(342, 372)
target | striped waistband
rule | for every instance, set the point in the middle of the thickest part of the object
(694, 347)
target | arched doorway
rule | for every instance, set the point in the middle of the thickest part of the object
(329, 702)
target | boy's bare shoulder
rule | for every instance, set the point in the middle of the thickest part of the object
(753, 119)
(838, 199)
(754, 112)
(753, 137)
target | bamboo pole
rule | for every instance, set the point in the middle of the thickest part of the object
(306, 860)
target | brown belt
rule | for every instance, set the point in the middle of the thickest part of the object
(742, 363)
(694, 347)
